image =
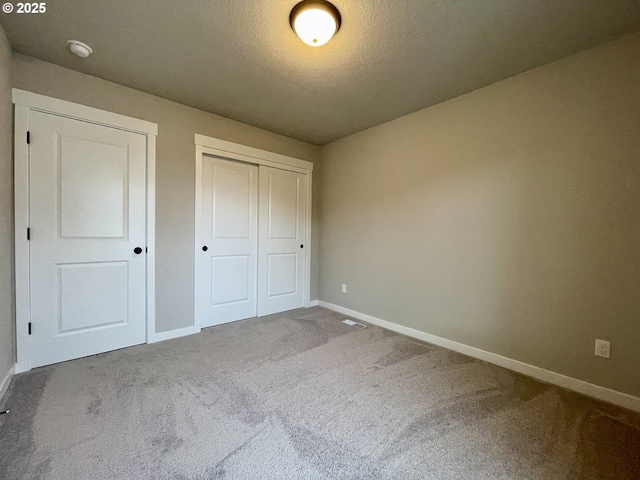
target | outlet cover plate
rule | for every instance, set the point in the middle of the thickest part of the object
(603, 348)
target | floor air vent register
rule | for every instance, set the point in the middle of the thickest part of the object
(353, 324)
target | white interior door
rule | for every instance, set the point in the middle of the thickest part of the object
(282, 224)
(226, 262)
(86, 216)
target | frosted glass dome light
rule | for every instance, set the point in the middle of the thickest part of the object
(315, 21)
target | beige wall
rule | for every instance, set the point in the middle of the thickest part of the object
(175, 167)
(6, 210)
(507, 219)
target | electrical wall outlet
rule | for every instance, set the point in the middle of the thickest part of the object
(603, 348)
(344, 288)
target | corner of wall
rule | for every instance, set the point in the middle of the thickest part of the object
(7, 304)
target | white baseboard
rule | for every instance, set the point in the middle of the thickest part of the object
(312, 303)
(580, 386)
(180, 332)
(4, 385)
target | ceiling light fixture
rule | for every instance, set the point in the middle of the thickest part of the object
(79, 48)
(315, 21)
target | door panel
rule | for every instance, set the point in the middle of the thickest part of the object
(231, 279)
(283, 192)
(87, 214)
(233, 201)
(282, 273)
(88, 183)
(92, 295)
(282, 236)
(226, 271)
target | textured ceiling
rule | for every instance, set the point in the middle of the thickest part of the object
(240, 59)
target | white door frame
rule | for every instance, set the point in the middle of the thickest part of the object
(24, 103)
(235, 151)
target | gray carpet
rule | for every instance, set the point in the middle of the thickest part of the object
(300, 395)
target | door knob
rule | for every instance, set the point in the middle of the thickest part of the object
(301, 246)
(137, 250)
(205, 248)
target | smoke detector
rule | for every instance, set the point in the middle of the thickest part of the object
(79, 48)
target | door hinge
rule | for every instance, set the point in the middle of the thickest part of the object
(29, 328)
(28, 137)
(28, 234)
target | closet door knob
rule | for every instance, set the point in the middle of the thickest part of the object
(137, 250)
(205, 248)
(301, 246)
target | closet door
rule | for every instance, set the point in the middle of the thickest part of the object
(282, 223)
(226, 262)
